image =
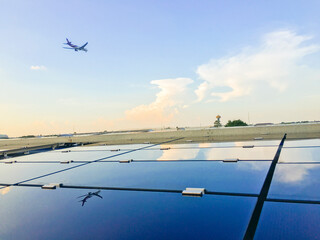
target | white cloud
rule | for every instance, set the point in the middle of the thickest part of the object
(178, 154)
(168, 102)
(38, 68)
(275, 62)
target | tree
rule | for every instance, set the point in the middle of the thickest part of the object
(235, 123)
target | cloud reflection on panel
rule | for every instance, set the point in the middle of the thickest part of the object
(178, 154)
(256, 153)
(298, 172)
(261, 153)
(4, 191)
(301, 143)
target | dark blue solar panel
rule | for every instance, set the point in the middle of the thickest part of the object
(132, 214)
(16, 172)
(45, 214)
(296, 181)
(214, 176)
(289, 221)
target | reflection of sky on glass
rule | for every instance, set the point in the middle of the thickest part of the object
(241, 153)
(299, 181)
(139, 215)
(43, 214)
(296, 174)
(62, 156)
(299, 143)
(109, 147)
(296, 182)
(181, 154)
(5, 190)
(259, 143)
(214, 176)
(300, 155)
(225, 144)
(288, 221)
(80, 153)
(12, 173)
(258, 153)
(311, 154)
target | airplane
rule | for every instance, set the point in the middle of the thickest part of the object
(89, 195)
(75, 47)
(92, 194)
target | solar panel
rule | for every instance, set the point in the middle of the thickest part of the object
(289, 221)
(142, 191)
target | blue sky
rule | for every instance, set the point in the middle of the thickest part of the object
(156, 63)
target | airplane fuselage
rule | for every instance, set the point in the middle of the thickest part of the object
(75, 47)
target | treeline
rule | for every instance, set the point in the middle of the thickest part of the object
(235, 123)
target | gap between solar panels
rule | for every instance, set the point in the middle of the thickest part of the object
(252, 226)
(170, 148)
(156, 161)
(188, 191)
(94, 161)
(140, 161)
(52, 186)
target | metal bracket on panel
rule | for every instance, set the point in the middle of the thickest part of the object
(66, 161)
(125, 161)
(231, 160)
(194, 192)
(258, 138)
(165, 148)
(10, 162)
(248, 146)
(51, 186)
(115, 150)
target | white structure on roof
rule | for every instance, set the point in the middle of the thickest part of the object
(3, 136)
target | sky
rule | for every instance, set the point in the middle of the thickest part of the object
(155, 64)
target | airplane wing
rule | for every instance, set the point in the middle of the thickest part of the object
(99, 196)
(84, 45)
(82, 196)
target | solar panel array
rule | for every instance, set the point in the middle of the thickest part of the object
(252, 190)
